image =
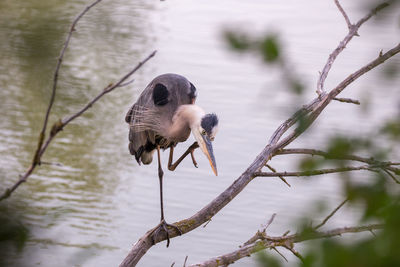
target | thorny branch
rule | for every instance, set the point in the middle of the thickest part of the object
(315, 172)
(60, 124)
(281, 241)
(310, 112)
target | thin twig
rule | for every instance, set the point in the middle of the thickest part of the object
(297, 254)
(331, 214)
(280, 176)
(51, 163)
(347, 100)
(269, 222)
(342, 45)
(184, 263)
(315, 172)
(391, 176)
(260, 233)
(277, 251)
(371, 161)
(126, 83)
(346, 18)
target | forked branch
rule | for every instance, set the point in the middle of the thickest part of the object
(60, 124)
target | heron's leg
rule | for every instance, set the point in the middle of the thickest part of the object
(160, 177)
(163, 224)
(190, 151)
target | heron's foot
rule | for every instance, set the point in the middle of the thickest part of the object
(163, 226)
(191, 149)
(193, 159)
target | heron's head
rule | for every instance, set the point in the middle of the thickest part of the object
(204, 134)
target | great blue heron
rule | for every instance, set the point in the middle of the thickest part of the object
(163, 116)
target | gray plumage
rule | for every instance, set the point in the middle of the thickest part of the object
(151, 116)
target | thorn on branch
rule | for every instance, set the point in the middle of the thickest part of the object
(280, 176)
(280, 254)
(297, 254)
(286, 233)
(209, 220)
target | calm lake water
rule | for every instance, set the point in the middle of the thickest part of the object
(91, 209)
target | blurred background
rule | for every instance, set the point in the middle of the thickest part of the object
(91, 209)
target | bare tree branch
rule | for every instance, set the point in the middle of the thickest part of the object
(280, 254)
(347, 100)
(36, 157)
(385, 165)
(315, 172)
(331, 214)
(353, 29)
(346, 18)
(325, 99)
(280, 241)
(60, 124)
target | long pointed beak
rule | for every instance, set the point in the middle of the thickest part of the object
(206, 146)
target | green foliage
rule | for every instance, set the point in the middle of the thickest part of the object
(310, 163)
(267, 46)
(374, 196)
(380, 249)
(270, 48)
(13, 234)
(238, 42)
(266, 260)
(392, 129)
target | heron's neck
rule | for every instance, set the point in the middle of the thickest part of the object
(186, 117)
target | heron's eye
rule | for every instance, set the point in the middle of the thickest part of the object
(203, 132)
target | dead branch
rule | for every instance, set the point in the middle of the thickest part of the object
(353, 29)
(60, 124)
(346, 18)
(281, 241)
(384, 165)
(314, 172)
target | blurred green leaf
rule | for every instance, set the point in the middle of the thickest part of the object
(297, 87)
(310, 163)
(270, 48)
(266, 260)
(237, 41)
(392, 129)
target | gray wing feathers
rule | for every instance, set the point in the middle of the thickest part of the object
(148, 118)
